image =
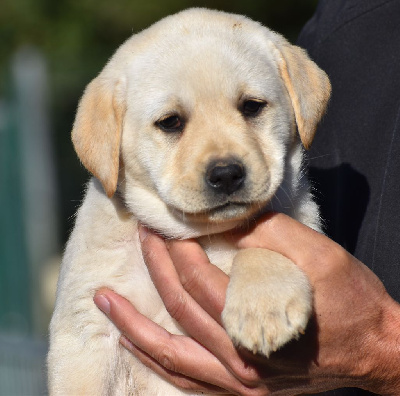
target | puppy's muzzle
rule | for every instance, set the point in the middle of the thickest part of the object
(225, 176)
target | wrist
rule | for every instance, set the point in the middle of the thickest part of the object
(383, 350)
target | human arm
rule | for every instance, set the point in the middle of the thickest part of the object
(352, 339)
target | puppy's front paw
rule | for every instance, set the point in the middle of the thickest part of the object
(268, 301)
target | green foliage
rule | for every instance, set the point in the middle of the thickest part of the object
(79, 35)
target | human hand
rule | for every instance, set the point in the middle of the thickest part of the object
(350, 341)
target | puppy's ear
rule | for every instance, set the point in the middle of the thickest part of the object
(309, 89)
(96, 134)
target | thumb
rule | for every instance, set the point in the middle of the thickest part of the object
(285, 235)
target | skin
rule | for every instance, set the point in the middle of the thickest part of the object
(353, 338)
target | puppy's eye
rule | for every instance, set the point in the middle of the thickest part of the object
(252, 107)
(171, 124)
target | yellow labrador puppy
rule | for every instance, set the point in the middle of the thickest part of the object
(195, 126)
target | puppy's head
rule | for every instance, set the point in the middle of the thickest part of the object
(195, 119)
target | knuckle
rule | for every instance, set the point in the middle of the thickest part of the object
(189, 277)
(334, 257)
(167, 358)
(176, 304)
(246, 374)
(332, 262)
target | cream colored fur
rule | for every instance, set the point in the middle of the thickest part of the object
(201, 65)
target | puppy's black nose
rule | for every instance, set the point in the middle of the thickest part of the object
(225, 176)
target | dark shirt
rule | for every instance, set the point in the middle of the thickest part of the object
(355, 157)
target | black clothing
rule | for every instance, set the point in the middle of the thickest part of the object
(355, 157)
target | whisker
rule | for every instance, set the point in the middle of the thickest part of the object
(287, 195)
(319, 156)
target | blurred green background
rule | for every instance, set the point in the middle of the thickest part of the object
(49, 51)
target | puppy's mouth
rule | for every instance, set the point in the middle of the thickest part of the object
(228, 211)
(228, 206)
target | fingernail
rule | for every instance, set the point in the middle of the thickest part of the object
(143, 232)
(102, 303)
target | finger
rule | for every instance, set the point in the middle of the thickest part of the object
(189, 314)
(205, 282)
(177, 379)
(167, 353)
(180, 305)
